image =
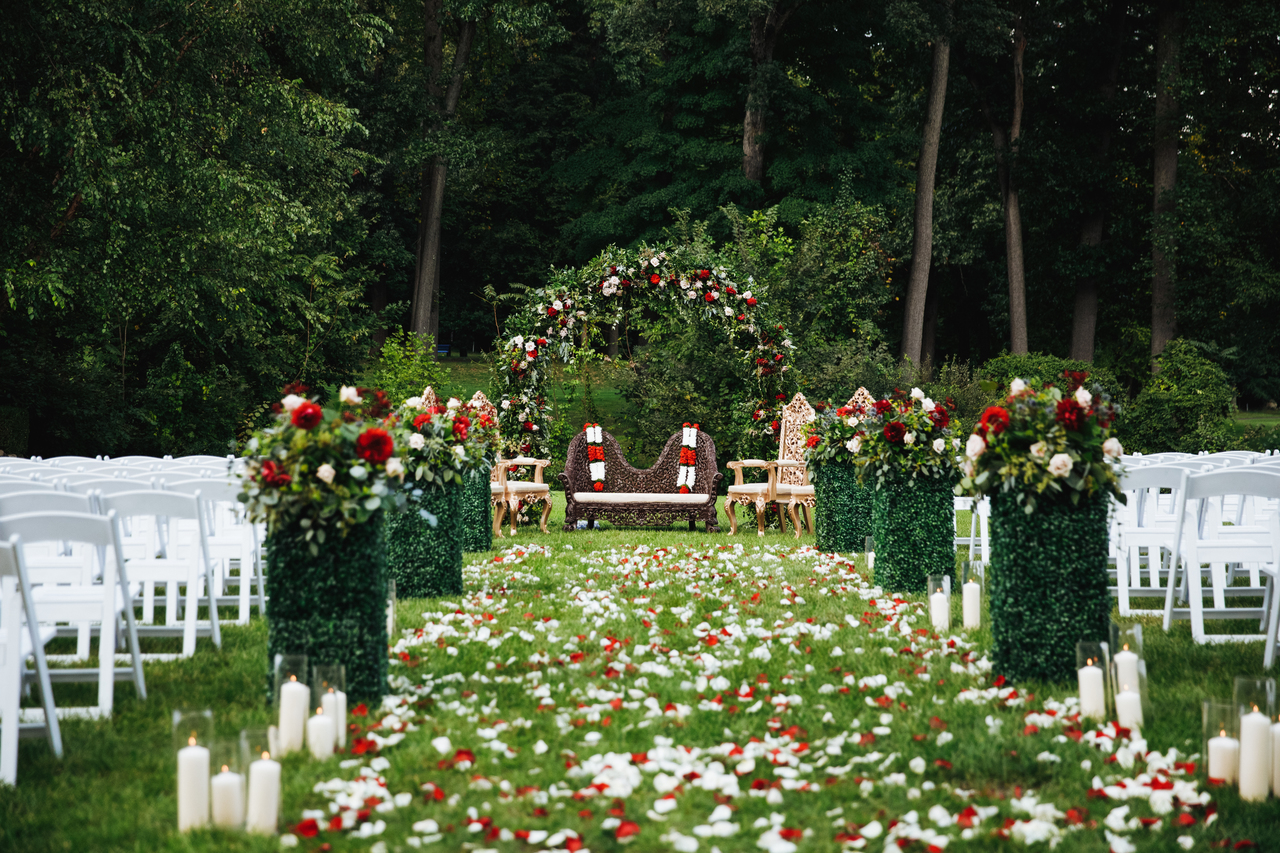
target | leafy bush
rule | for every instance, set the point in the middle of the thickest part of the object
(1187, 407)
(408, 365)
(1037, 369)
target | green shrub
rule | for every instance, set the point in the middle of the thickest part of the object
(408, 365)
(1037, 368)
(424, 544)
(1187, 407)
(15, 427)
(842, 519)
(914, 527)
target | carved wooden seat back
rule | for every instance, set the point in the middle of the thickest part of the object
(862, 400)
(795, 416)
(621, 476)
(481, 406)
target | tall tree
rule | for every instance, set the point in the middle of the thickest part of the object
(766, 23)
(1168, 122)
(913, 318)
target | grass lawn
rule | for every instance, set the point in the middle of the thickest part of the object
(683, 691)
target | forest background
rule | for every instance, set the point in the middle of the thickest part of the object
(205, 201)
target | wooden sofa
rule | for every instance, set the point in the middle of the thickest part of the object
(636, 497)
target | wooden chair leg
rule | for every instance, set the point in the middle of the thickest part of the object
(513, 505)
(546, 513)
(499, 511)
(761, 509)
(794, 511)
(733, 516)
(808, 517)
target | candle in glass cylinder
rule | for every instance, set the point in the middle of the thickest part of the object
(193, 786)
(334, 704)
(972, 605)
(264, 795)
(940, 611)
(1275, 759)
(295, 699)
(1093, 694)
(1255, 756)
(227, 790)
(1129, 708)
(1224, 757)
(1127, 667)
(321, 734)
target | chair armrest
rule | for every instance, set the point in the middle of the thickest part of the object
(737, 466)
(538, 465)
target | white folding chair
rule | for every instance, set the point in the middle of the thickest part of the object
(1201, 539)
(180, 566)
(75, 603)
(11, 487)
(233, 542)
(17, 641)
(1141, 525)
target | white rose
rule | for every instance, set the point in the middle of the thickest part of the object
(506, 404)
(530, 346)
(854, 444)
(558, 305)
(728, 312)
(939, 445)
(688, 294)
(746, 295)
(454, 403)
(417, 441)
(955, 442)
(909, 439)
(1111, 447)
(292, 402)
(656, 261)
(1060, 465)
(853, 421)
(1039, 449)
(395, 467)
(1017, 386)
(1083, 397)
(917, 394)
(413, 403)
(928, 405)
(326, 472)
(461, 452)
(350, 395)
(975, 447)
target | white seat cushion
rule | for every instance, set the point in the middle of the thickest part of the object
(638, 498)
(748, 488)
(522, 487)
(798, 491)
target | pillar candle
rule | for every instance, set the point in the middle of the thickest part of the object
(264, 795)
(334, 704)
(1129, 709)
(1224, 755)
(193, 786)
(871, 560)
(295, 699)
(940, 611)
(227, 789)
(1255, 756)
(321, 734)
(1275, 759)
(391, 619)
(1127, 668)
(1093, 695)
(972, 605)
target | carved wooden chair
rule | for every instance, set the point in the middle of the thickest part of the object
(786, 473)
(506, 495)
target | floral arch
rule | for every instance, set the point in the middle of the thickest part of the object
(563, 320)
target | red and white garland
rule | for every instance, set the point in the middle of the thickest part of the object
(595, 454)
(688, 459)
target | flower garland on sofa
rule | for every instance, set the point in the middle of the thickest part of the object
(688, 459)
(595, 454)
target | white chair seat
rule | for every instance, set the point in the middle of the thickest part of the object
(638, 497)
(521, 487)
(750, 488)
(797, 491)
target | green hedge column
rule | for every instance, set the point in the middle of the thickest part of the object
(843, 520)
(331, 607)
(914, 527)
(426, 561)
(477, 513)
(1048, 585)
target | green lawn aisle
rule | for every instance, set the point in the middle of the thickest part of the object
(672, 691)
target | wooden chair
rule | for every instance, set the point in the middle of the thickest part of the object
(777, 488)
(507, 495)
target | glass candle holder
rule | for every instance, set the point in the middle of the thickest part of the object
(971, 579)
(227, 788)
(939, 592)
(1129, 675)
(192, 735)
(1092, 667)
(869, 551)
(293, 699)
(1250, 694)
(192, 728)
(263, 809)
(1255, 703)
(1221, 746)
(328, 693)
(391, 608)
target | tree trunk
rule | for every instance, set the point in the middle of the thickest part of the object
(922, 237)
(1084, 323)
(765, 30)
(424, 318)
(613, 341)
(1164, 324)
(929, 338)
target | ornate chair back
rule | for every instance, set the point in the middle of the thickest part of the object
(481, 405)
(795, 415)
(861, 398)
(429, 398)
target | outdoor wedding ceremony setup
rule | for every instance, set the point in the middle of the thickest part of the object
(678, 426)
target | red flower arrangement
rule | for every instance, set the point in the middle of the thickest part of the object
(307, 415)
(273, 475)
(1070, 414)
(993, 420)
(894, 431)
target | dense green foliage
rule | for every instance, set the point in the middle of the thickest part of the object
(1047, 585)
(477, 513)
(913, 524)
(407, 367)
(331, 606)
(424, 543)
(842, 521)
(1187, 406)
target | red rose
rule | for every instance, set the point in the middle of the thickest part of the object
(731, 291)
(460, 425)
(273, 475)
(655, 278)
(375, 446)
(307, 416)
(424, 418)
(883, 406)
(940, 418)
(994, 420)
(551, 312)
(778, 357)
(742, 317)
(762, 361)
(710, 297)
(773, 425)
(1075, 378)
(599, 487)
(1070, 414)
(528, 426)
(704, 274)
(542, 342)
(751, 300)
(894, 431)
(308, 828)
(844, 411)
(812, 441)
(531, 354)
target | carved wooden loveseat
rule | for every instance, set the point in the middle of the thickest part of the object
(636, 497)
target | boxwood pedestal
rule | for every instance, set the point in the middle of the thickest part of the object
(843, 512)
(914, 527)
(477, 513)
(1048, 585)
(426, 561)
(331, 606)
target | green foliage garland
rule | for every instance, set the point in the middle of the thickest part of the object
(331, 606)
(843, 520)
(477, 513)
(914, 529)
(424, 544)
(1048, 584)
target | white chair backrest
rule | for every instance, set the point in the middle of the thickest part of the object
(211, 490)
(11, 487)
(151, 502)
(18, 503)
(1251, 480)
(96, 530)
(112, 486)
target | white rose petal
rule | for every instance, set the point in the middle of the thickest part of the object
(292, 402)
(939, 445)
(928, 405)
(395, 467)
(1060, 465)
(1112, 448)
(917, 394)
(1039, 449)
(909, 439)
(1017, 386)
(326, 472)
